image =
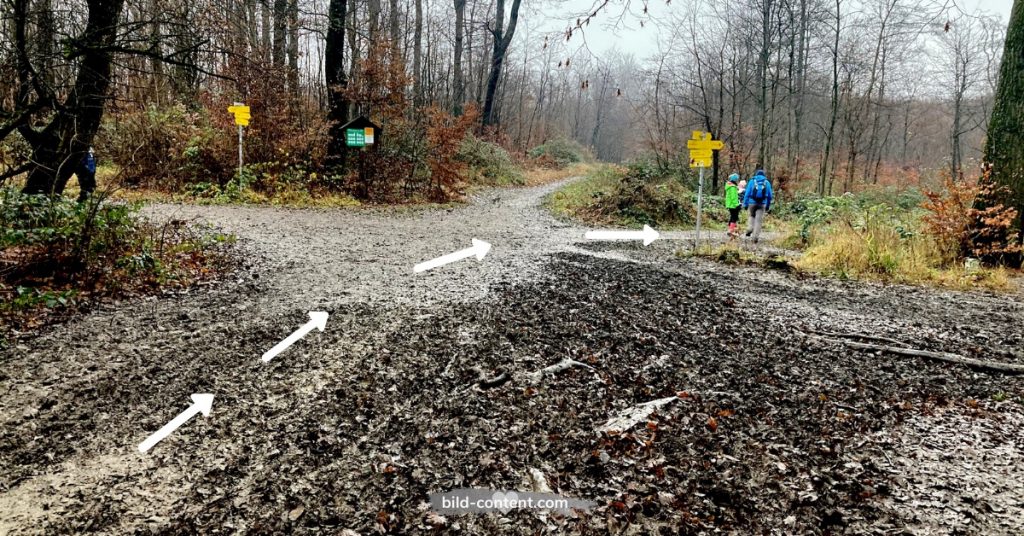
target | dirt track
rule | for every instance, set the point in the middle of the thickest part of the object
(777, 430)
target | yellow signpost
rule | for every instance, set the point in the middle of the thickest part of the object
(702, 154)
(701, 148)
(241, 113)
(242, 117)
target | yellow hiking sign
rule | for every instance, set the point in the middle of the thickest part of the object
(701, 148)
(241, 113)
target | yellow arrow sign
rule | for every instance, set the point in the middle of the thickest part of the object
(702, 140)
(701, 153)
(241, 113)
(700, 162)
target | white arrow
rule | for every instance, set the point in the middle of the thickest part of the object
(317, 319)
(480, 249)
(648, 235)
(201, 403)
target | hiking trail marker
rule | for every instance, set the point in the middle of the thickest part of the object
(317, 319)
(648, 235)
(201, 403)
(479, 250)
(702, 154)
(242, 116)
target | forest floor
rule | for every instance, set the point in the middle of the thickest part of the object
(774, 428)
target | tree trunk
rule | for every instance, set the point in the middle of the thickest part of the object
(334, 65)
(502, 40)
(373, 6)
(458, 83)
(1004, 148)
(293, 50)
(762, 71)
(266, 41)
(396, 37)
(45, 39)
(280, 31)
(801, 88)
(834, 109)
(417, 55)
(59, 147)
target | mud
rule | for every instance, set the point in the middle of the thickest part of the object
(775, 430)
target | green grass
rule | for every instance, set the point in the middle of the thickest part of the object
(572, 200)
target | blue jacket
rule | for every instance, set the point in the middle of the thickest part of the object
(755, 183)
(89, 162)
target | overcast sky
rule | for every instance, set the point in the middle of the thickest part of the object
(610, 32)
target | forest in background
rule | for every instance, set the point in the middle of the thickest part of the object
(827, 95)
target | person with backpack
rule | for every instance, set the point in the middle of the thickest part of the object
(86, 173)
(758, 198)
(732, 203)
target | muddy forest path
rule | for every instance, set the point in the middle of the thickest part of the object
(352, 428)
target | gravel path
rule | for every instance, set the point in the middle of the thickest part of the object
(777, 431)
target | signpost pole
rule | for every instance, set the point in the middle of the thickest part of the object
(240, 162)
(700, 203)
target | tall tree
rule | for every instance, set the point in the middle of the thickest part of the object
(293, 49)
(502, 40)
(58, 146)
(1004, 147)
(280, 32)
(417, 55)
(334, 65)
(459, 82)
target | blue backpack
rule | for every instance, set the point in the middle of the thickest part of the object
(759, 191)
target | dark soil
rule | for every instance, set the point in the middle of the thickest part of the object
(775, 430)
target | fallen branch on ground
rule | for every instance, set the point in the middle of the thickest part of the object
(497, 381)
(631, 416)
(860, 336)
(1006, 368)
(561, 366)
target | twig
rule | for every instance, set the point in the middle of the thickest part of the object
(1006, 368)
(497, 381)
(563, 365)
(861, 336)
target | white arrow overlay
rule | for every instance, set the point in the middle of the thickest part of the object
(201, 403)
(648, 235)
(317, 319)
(480, 249)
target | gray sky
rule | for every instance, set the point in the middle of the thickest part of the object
(609, 32)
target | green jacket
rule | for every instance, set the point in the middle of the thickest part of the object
(732, 196)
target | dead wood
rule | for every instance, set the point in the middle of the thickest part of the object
(1006, 368)
(561, 366)
(497, 381)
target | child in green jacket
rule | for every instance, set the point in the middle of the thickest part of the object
(732, 203)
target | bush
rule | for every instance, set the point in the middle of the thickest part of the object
(561, 152)
(170, 148)
(161, 148)
(643, 196)
(885, 243)
(489, 163)
(965, 224)
(55, 251)
(875, 241)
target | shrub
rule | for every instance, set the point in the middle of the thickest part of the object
(56, 250)
(964, 224)
(642, 196)
(161, 148)
(489, 163)
(561, 152)
(874, 241)
(169, 148)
